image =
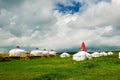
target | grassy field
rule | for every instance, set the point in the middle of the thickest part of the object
(55, 68)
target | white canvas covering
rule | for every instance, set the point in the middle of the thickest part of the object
(101, 54)
(89, 56)
(104, 53)
(96, 54)
(16, 52)
(52, 52)
(110, 53)
(81, 55)
(63, 55)
(36, 52)
(45, 52)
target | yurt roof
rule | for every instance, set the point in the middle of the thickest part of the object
(52, 52)
(36, 51)
(17, 51)
(80, 53)
(44, 52)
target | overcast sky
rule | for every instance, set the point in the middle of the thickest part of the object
(59, 24)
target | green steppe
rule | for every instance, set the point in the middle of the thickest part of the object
(56, 68)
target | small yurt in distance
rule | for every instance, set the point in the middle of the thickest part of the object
(110, 53)
(36, 52)
(52, 53)
(16, 52)
(45, 53)
(101, 54)
(64, 55)
(95, 54)
(105, 54)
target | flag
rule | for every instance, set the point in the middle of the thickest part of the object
(83, 47)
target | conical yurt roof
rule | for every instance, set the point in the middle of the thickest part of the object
(45, 51)
(80, 53)
(16, 52)
(52, 52)
(36, 52)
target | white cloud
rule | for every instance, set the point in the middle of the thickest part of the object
(37, 24)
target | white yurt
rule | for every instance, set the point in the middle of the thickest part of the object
(101, 54)
(64, 55)
(89, 56)
(52, 53)
(81, 55)
(16, 52)
(95, 54)
(110, 53)
(45, 53)
(104, 54)
(36, 52)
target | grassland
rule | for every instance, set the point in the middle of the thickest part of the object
(56, 68)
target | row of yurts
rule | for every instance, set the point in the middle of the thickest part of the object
(79, 56)
(17, 52)
(83, 54)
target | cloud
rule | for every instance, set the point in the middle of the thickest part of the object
(39, 23)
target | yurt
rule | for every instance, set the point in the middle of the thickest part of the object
(16, 52)
(110, 53)
(89, 56)
(81, 55)
(104, 54)
(95, 54)
(101, 54)
(52, 53)
(36, 52)
(64, 55)
(45, 53)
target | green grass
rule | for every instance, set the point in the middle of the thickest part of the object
(55, 68)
